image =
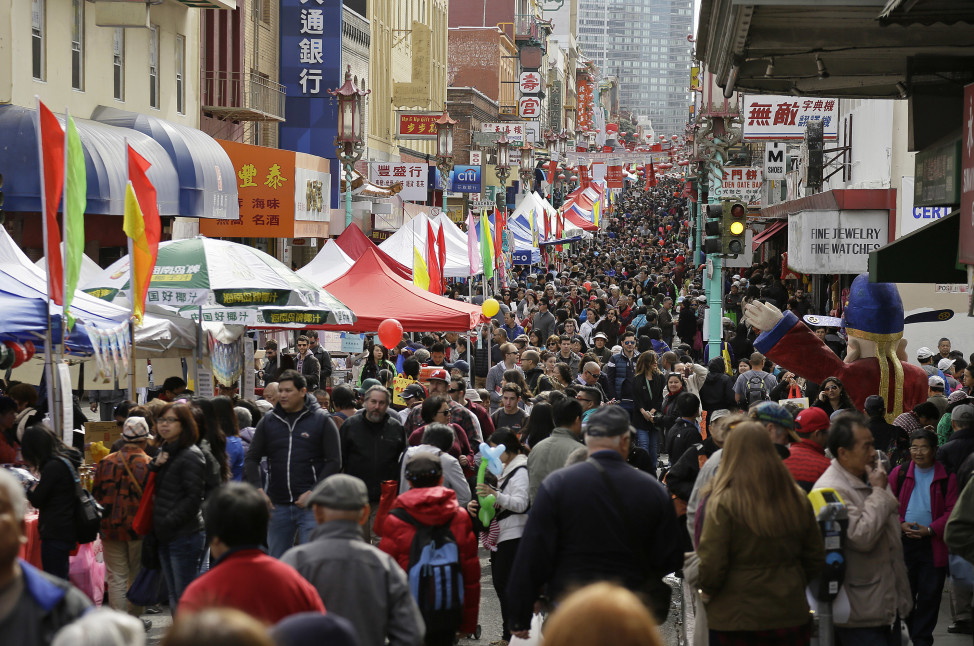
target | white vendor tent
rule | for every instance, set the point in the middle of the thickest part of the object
(413, 234)
(330, 263)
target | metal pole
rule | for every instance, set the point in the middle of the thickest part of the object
(348, 195)
(714, 282)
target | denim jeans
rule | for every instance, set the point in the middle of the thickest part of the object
(180, 559)
(55, 557)
(649, 441)
(286, 521)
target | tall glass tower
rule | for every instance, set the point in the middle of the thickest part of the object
(643, 43)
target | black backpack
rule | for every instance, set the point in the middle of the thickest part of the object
(757, 390)
(434, 572)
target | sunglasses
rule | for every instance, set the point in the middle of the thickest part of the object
(454, 390)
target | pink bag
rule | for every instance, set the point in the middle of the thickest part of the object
(87, 571)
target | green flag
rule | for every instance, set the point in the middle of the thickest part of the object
(486, 246)
(75, 202)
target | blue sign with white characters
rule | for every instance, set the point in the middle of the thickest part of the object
(465, 179)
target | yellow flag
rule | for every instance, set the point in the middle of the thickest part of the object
(421, 274)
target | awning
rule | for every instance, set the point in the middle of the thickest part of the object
(207, 182)
(851, 199)
(772, 229)
(928, 255)
(104, 148)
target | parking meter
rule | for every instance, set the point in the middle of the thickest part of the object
(833, 521)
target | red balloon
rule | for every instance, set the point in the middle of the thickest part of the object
(390, 332)
(20, 355)
(669, 227)
(587, 285)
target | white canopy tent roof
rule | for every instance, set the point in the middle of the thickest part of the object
(330, 263)
(456, 238)
(413, 234)
(89, 268)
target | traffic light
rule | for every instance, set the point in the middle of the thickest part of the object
(735, 226)
(712, 229)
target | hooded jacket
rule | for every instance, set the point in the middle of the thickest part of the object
(302, 449)
(372, 451)
(437, 506)
(180, 487)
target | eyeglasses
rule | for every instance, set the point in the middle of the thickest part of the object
(511, 353)
(454, 390)
(443, 412)
(629, 343)
(169, 420)
(596, 375)
(831, 387)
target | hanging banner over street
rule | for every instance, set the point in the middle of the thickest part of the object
(783, 118)
(412, 176)
(613, 177)
(742, 182)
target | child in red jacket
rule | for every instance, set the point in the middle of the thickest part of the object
(429, 504)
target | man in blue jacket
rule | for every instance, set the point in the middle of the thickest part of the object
(620, 370)
(302, 447)
(600, 520)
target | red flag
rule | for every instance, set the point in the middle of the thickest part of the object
(441, 254)
(552, 168)
(650, 177)
(50, 143)
(432, 260)
(144, 228)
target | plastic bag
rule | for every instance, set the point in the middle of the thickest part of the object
(534, 639)
(87, 571)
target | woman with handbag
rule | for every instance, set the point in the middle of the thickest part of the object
(119, 482)
(177, 517)
(53, 495)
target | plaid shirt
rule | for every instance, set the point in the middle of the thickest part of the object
(114, 489)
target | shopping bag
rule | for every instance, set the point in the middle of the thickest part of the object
(534, 639)
(142, 525)
(86, 571)
(148, 589)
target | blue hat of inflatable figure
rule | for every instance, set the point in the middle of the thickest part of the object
(874, 310)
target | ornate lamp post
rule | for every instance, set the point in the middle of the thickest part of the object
(444, 146)
(591, 141)
(502, 168)
(349, 142)
(527, 166)
(563, 145)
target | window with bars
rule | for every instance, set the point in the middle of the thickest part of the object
(37, 29)
(180, 74)
(118, 63)
(78, 45)
(154, 66)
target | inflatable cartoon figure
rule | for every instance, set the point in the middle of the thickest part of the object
(875, 362)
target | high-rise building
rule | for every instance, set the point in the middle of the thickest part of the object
(644, 44)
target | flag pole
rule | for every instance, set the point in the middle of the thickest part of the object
(132, 297)
(48, 333)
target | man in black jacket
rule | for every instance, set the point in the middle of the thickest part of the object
(373, 441)
(685, 432)
(961, 444)
(324, 359)
(596, 522)
(307, 364)
(302, 447)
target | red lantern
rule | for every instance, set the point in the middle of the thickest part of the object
(390, 333)
(20, 355)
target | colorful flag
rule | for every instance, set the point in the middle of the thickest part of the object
(498, 241)
(75, 203)
(143, 227)
(432, 260)
(441, 253)
(421, 275)
(50, 145)
(471, 242)
(486, 246)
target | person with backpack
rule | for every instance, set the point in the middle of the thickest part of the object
(53, 495)
(927, 494)
(503, 536)
(755, 385)
(431, 537)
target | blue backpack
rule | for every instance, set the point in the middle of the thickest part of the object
(435, 576)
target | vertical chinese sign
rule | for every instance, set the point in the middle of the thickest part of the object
(265, 194)
(585, 103)
(311, 46)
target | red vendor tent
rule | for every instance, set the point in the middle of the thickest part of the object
(354, 243)
(375, 292)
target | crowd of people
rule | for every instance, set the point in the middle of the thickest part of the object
(615, 444)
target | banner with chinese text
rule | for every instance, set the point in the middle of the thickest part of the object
(412, 176)
(783, 118)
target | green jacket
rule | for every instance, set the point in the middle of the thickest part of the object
(959, 534)
(944, 429)
(754, 582)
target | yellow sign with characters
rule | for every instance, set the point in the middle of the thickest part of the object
(398, 386)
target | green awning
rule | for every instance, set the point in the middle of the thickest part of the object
(928, 255)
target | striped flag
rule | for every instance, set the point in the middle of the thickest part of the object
(143, 227)
(75, 203)
(432, 261)
(50, 146)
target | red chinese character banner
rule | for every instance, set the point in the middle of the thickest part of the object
(783, 118)
(584, 88)
(416, 126)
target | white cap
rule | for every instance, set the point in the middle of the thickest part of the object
(945, 364)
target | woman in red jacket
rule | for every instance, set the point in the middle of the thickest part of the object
(430, 504)
(927, 494)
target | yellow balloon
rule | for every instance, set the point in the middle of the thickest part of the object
(490, 307)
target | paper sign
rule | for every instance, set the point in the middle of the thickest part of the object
(352, 343)
(399, 385)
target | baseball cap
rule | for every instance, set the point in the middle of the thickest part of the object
(440, 374)
(963, 413)
(811, 420)
(340, 491)
(924, 353)
(462, 366)
(956, 396)
(702, 298)
(607, 421)
(936, 382)
(423, 463)
(368, 383)
(717, 414)
(875, 405)
(414, 390)
(945, 364)
(472, 395)
(135, 429)
(600, 335)
(775, 414)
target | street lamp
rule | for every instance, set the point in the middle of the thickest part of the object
(527, 166)
(503, 169)
(563, 144)
(444, 145)
(349, 143)
(591, 140)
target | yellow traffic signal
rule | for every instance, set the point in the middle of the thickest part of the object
(735, 226)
